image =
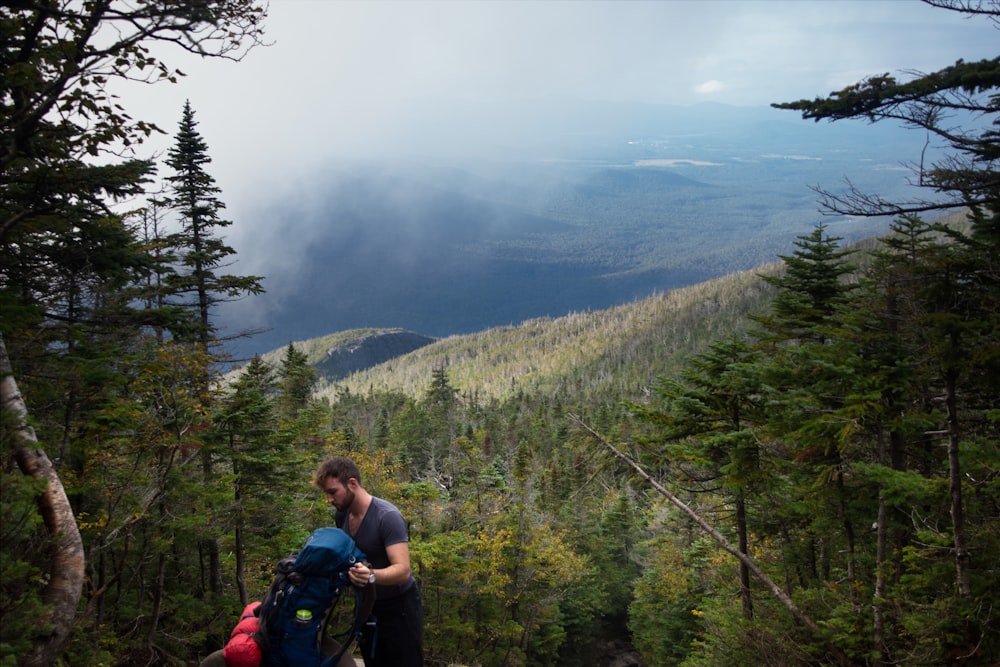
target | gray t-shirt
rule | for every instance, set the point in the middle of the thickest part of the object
(381, 527)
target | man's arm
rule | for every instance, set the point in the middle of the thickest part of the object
(398, 571)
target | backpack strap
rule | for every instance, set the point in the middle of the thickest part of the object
(364, 602)
(268, 607)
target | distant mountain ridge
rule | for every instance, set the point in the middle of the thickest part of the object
(337, 355)
(369, 349)
(615, 352)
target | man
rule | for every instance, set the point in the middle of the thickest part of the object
(378, 528)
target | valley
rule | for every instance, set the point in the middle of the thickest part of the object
(585, 220)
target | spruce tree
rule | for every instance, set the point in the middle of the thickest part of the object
(196, 284)
(247, 420)
(201, 252)
(957, 105)
(947, 308)
(72, 271)
(812, 288)
(807, 375)
(706, 431)
(296, 382)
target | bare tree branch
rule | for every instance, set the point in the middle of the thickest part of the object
(776, 590)
(987, 8)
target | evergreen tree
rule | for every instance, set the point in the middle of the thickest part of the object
(441, 402)
(200, 250)
(707, 428)
(958, 105)
(68, 263)
(941, 300)
(811, 289)
(807, 375)
(295, 383)
(261, 465)
(440, 393)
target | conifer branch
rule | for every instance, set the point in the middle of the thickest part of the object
(776, 590)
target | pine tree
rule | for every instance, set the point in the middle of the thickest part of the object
(812, 287)
(200, 250)
(71, 274)
(941, 303)
(807, 374)
(930, 103)
(706, 427)
(259, 459)
(296, 381)
(440, 393)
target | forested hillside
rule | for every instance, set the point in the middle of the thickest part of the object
(338, 355)
(616, 352)
(792, 466)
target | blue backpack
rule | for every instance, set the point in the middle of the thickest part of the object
(306, 586)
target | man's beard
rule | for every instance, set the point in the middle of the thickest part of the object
(349, 500)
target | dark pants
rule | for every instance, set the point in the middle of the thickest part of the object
(330, 647)
(395, 639)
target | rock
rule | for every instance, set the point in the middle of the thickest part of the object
(617, 653)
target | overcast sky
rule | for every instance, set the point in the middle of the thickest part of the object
(346, 78)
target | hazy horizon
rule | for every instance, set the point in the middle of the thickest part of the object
(492, 88)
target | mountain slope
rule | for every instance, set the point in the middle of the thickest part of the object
(595, 355)
(338, 354)
(608, 353)
(601, 355)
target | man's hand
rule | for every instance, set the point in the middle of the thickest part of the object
(361, 575)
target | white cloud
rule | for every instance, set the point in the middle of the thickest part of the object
(710, 87)
(347, 79)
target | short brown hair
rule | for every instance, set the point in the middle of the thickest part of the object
(340, 468)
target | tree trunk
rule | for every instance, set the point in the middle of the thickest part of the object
(849, 536)
(210, 545)
(878, 602)
(241, 577)
(836, 654)
(157, 610)
(962, 556)
(66, 574)
(164, 463)
(741, 532)
(215, 566)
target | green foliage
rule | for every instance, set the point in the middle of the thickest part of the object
(21, 575)
(200, 251)
(296, 380)
(664, 617)
(531, 549)
(929, 103)
(123, 414)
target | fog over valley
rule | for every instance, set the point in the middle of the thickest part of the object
(451, 166)
(610, 204)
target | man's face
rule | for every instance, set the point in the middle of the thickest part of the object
(337, 494)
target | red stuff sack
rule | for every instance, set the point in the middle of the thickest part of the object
(242, 650)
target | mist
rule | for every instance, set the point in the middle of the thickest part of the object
(612, 203)
(375, 152)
